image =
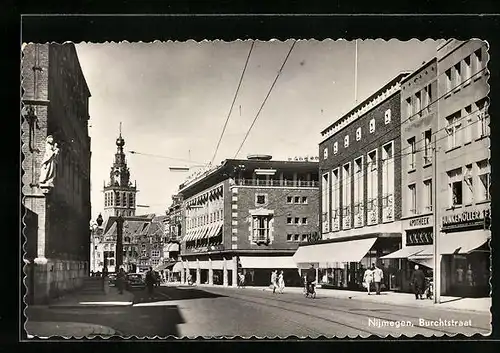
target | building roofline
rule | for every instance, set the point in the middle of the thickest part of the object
(394, 81)
(418, 69)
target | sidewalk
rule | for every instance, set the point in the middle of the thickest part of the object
(400, 299)
(80, 299)
(67, 330)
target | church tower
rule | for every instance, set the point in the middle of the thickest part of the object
(119, 193)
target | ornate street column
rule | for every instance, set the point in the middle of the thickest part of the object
(119, 243)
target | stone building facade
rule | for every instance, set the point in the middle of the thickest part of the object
(247, 217)
(360, 192)
(55, 130)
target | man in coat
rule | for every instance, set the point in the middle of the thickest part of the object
(378, 276)
(418, 282)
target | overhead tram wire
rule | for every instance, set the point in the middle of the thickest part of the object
(165, 157)
(232, 104)
(265, 99)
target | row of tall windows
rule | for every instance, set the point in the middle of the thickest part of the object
(461, 72)
(351, 195)
(119, 199)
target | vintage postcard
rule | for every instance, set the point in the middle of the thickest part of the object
(263, 189)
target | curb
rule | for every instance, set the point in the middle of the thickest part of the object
(93, 306)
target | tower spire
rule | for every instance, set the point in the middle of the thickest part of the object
(120, 128)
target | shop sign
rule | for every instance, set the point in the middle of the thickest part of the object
(465, 219)
(420, 222)
(419, 237)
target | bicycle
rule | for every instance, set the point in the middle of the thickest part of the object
(310, 291)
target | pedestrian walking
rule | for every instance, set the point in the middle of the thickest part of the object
(310, 279)
(368, 279)
(378, 276)
(120, 280)
(418, 282)
(150, 282)
(274, 279)
(281, 282)
(241, 281)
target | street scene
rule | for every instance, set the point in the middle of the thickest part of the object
(256, 189)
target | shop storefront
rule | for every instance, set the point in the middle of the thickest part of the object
(417, 250)
(466, 254)
(257, 270)
(341, 262)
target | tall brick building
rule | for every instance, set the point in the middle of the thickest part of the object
(247, 216)
(55, 103)
(360, 192)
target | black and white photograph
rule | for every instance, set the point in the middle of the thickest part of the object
(256, 189)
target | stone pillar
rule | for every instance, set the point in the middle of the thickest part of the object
(317, 274)
(224, 270)
(235, 271)
(346, 275)
(198, 272)
(210, 272)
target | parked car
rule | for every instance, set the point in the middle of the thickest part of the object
(112, 280)
(135, 280)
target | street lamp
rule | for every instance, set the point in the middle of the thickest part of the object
(94, 228)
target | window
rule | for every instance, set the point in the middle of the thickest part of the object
(297, 199)
(484, 183)
(372, 178)
(358, 134)
(483, 118)
(335, 147)
(346, 141)
(297, 220)
(468, 192)
(387, 116)
(346, 193)
(428, 195)
(260, 229)
(335, 200)
(304, 237)
(289, 199)
(358, 192)
(388, 181)
(289, 237)
(260, 199)
(448, 80)
(304, 220)
(412, 154)
(304, 199)
(453, 130)
(372, 126)
(325, 202)
(467, 69)
(409, 111)
(412, 198)
(477, 61)
(296, 237)
(289, 220)
(111, 262)
(427, 147)
(117, 198)
(455, 186)
(468, 125)
(457, 75)
(155, 253)
(427, 98)
(418, 104)
(124, 200)
(325, 153)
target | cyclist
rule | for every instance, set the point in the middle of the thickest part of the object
(310, 278)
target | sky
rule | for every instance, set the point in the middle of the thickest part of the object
(173, 99)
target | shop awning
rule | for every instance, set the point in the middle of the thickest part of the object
(406, 252)
(462, 242)
(269, 262)
(215, 231)
(427, 261)
(346, 251)
(177, 267)
(173, 247)
(164, 266)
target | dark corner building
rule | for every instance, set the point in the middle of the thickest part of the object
(247, 216)
(360, 193)
(56, 165)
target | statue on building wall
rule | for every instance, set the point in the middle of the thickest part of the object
(49, 162)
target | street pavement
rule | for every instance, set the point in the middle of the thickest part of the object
(186, 311)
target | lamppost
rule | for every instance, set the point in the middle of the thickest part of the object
(119, 242)
(95, 228)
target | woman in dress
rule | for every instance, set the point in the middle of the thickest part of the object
(281, 282)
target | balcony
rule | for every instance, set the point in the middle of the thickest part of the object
(277, 183)
(346, 217)
(336, 220)
(359, 214)
(372, 211)
(260, 235)
(388, 208)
